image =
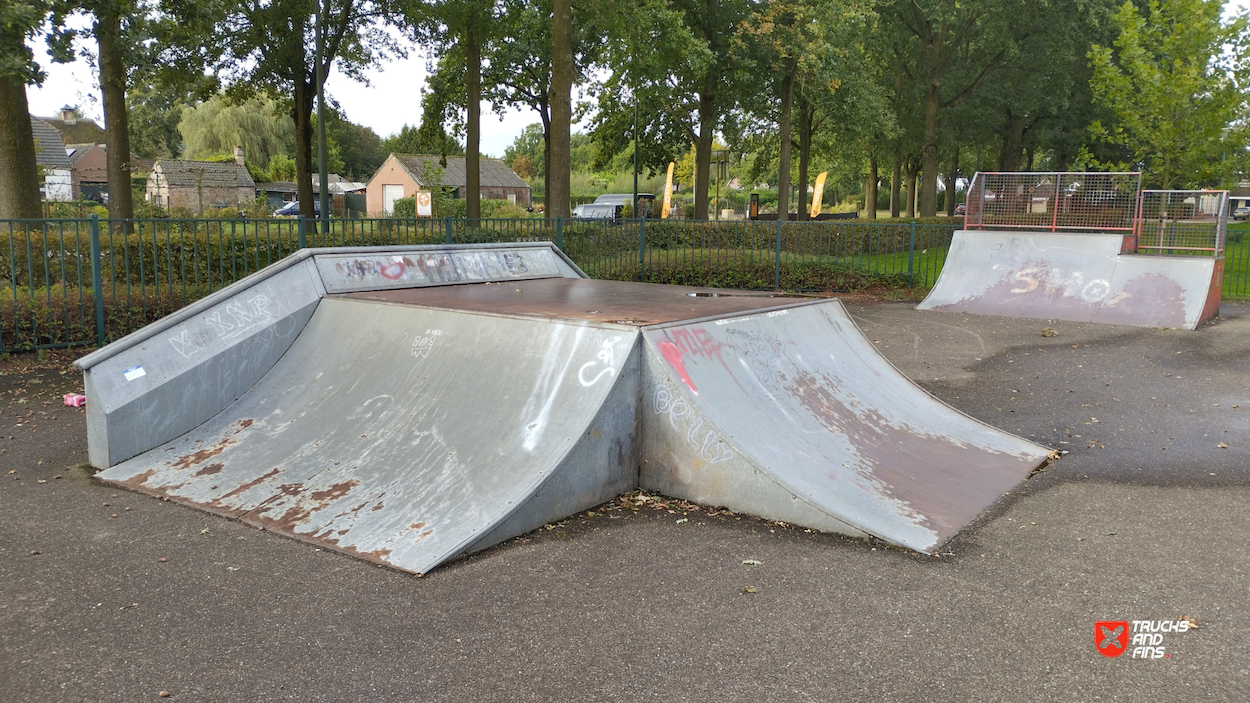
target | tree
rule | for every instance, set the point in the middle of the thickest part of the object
(123, 40)
(812, 52)
(674, 60)
(358, 149)
(1176, 83)
(426, 139)
(946, 50)
(268, 46)
(217, 125)
(19, 174)
(457, 29)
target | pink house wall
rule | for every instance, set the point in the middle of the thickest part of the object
(391, 173)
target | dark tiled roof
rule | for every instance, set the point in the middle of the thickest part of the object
(77, 151)
(49, 149)
(82, 131)
(211, 174)
(493, 172)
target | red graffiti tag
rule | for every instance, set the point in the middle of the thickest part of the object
(393, 270)
(673, 354)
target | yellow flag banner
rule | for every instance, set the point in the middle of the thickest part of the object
(668, 191)
(820, 191)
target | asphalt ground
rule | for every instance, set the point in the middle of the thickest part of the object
(1146, 518)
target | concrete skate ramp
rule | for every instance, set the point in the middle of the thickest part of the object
(408, 421)
(1076, 277)
(407, 435)
(793, 415)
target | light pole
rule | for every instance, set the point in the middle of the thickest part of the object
(635, 201)
(324, 194)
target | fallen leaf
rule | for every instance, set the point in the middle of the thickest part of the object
(750, 589)
(1222, 445)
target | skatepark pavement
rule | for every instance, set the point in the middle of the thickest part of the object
(1144, 519)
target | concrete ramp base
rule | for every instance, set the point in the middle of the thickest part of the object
(1075, 277)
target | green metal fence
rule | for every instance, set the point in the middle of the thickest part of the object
(90, 281)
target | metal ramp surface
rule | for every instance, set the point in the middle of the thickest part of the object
(1075, 277)
(793, 415)
(407, 435)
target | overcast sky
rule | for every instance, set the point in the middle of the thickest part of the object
(392, 98)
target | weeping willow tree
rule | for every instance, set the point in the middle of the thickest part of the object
(216, 126)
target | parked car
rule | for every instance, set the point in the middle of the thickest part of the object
(961, 209)
(291, 209)
(597, 211)
(1241, 213)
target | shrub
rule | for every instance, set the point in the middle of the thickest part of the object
(404, 208)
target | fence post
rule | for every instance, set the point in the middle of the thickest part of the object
(447, 234)
(911, 253)
(97, 280)
(642, 249)
(302, 236)
(777, 262)
(560, 233)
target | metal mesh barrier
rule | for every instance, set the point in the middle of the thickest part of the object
(1186, 222)
(1054, 202)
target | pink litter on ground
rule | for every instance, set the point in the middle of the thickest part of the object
(75, 400)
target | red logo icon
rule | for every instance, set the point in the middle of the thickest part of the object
(1111, 637)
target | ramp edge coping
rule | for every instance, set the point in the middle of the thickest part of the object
(151, 330)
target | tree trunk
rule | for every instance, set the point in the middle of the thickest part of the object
(19, 174)
(952, 177)
(473, 126)
(807, 114)
(116, 119)
(1013, 142)
(911, 188)
(896, 182)
(301, 112)
(870, 189)
(560, 164)
(783, 163)
(703, 153)
(929, 156)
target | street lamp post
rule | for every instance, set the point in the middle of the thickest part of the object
(324, 194)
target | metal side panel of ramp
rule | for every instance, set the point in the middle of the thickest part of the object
(792, 414)
(408, 435)
(1075, 277)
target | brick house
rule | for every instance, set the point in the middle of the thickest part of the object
(89, 168)
(402, 175)
(199, 185)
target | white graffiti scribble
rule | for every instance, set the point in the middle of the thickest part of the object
(182, 344)
(709, 444)
(239, 317)
(1073, 285)
(421, 347)
(607, 356)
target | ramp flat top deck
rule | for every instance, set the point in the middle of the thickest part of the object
(585, 299)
